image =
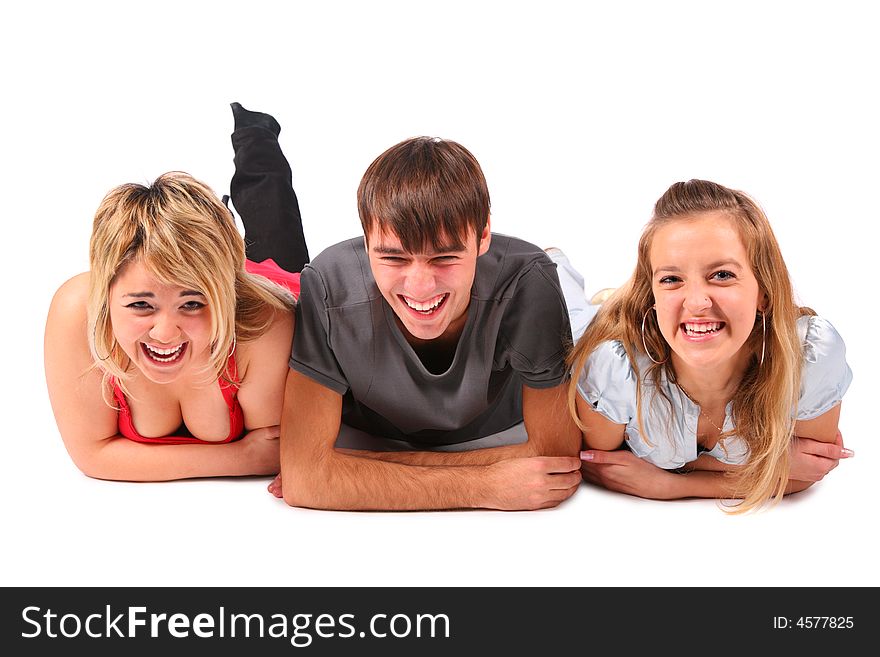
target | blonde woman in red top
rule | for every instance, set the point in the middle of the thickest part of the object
(168, 358)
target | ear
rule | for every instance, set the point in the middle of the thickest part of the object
(763, 301)
(485, 237)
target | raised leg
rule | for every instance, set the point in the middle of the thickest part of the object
(262, 192)
(580, 310)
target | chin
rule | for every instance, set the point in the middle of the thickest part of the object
(160, 376)
(424, 332)
(705, 360)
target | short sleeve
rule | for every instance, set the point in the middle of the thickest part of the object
(608, 382)
(826, 375)
(312, 352)
(536, 328)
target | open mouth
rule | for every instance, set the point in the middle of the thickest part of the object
(164, 356)
(426, 308)
(701, 329)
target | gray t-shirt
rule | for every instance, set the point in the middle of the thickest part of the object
(516, 333)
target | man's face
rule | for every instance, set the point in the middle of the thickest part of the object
(429, 292)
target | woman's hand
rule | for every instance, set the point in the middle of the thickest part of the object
(811, 459)
(275, 486)
(261, 450)
(624, 472)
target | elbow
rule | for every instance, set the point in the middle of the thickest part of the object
(93, 463)
(92, 466)
(299, 496)
(296, 490)
(300, 487)
(567, 448)
(96, 471)
(569, 443)
(559, 446)
(293, 497)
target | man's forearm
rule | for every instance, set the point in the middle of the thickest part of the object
(316, 475)
(484, 456)
(352, 483)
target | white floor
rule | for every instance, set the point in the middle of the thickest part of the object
(581, 115)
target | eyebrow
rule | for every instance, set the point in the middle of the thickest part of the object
(381, 249)
(712, 265)
(151, 295)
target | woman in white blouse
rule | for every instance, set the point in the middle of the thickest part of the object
(704, 367)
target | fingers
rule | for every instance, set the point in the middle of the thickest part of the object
(813, 468)
(560, 495)
(275, 486)
(555, 464)
(828, 450)
(565, 480)
(599, 456)
(590, 475)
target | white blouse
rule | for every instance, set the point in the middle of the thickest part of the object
(608, 383)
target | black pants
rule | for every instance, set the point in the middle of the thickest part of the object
(262, 193)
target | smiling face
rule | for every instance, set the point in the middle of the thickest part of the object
(705, 292)
(428, 292)
(163, 329)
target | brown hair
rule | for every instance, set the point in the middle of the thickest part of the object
(184, 235)
(767, 394)
(426, 191)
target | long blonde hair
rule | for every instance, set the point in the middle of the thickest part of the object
(764, 401)
(184, 236)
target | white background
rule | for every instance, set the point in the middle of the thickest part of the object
(581, 115)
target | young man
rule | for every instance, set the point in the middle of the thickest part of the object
(430, 331)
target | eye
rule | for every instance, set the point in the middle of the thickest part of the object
(445, 260)
(393, 260)
(139, 305)
(723, 276)
(193, 305)
(669, 280)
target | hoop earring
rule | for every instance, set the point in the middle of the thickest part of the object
(763, 337)
(231, 351)
(645, 344)
(95, 346)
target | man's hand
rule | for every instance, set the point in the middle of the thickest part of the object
(624, 472)
(536, 482)
(811, 459)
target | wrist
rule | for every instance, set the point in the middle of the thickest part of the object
(678, 485)
(238, 457)
(483, 494)
(254, 455)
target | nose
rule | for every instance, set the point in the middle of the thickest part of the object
(697, 298)
(420, 281)
(165, 329)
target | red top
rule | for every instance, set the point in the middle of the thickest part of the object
(267, 268)
(230, 392)
(274, 273)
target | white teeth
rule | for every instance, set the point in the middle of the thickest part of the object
(702, 328)
(165, 352)
(164, 355)
(424, 307)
